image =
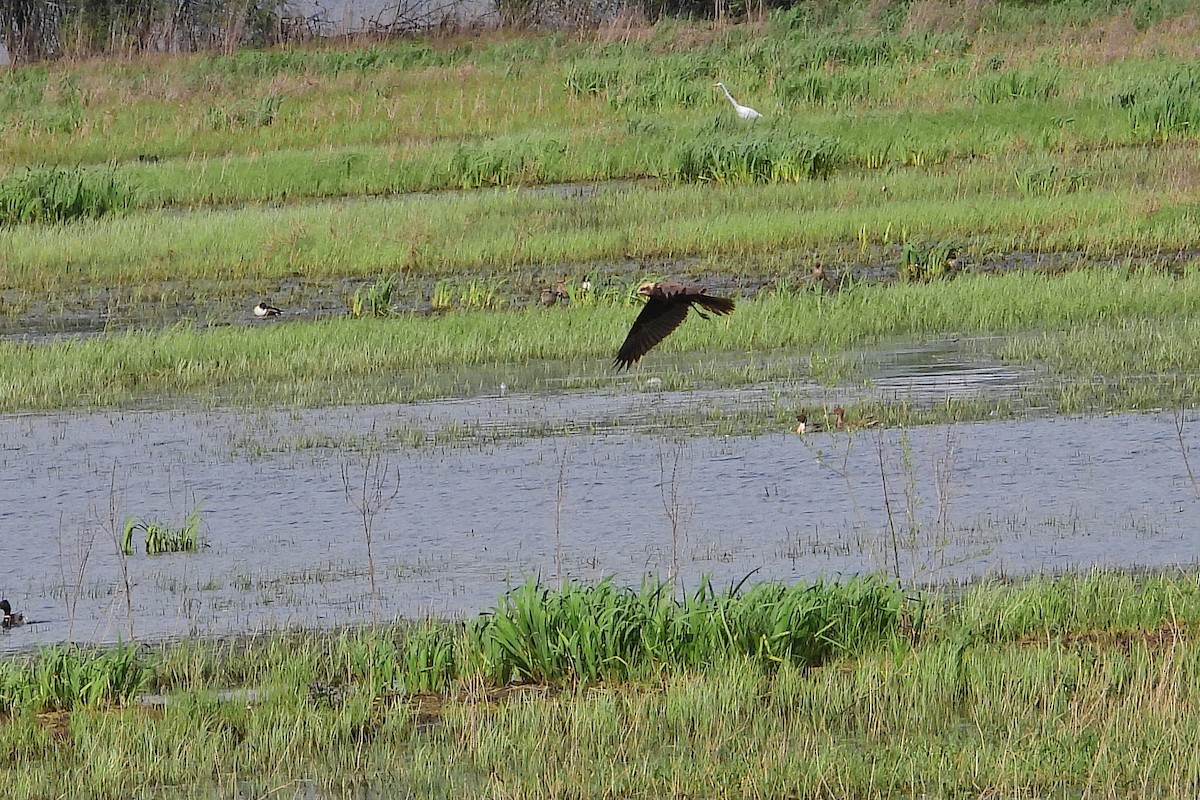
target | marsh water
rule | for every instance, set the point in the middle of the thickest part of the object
(454, 522)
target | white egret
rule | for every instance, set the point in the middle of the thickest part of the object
(744, 112)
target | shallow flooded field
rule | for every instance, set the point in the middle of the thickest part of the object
(455, 522)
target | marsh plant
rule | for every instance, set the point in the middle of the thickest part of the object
(851, 685)
(926, 261)
(59, 194)
(374, 299)
(915, 543)
(589, 633)
(160, 537)
(66, 678)
(473, 294)
(675, 504)
(761, 158)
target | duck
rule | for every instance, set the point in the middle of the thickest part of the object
(10, 620)
(843, 425)
(822, 281)
(555, 293)
(807, 427)
(265, 309)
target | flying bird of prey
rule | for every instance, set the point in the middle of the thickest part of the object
(666, 306)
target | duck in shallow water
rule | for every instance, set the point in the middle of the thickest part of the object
(844, 424)
(805, 426)
(10, 620)
(265, 309)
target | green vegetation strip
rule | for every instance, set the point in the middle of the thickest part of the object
(828, 690)
(903, 89)
(1107, 211)
(1083, 319)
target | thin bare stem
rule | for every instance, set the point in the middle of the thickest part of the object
(559, 499)
(887, 505)
(1183, 450)
(370, 498)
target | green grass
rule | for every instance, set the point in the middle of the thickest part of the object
(1096, 206)
(996, 689)
(514, 110)
(160, 537)
(1111, 315)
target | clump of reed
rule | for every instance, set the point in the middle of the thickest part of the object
(528, 159)
(1049, 180)
(1164, 107)
(1038, 83)
(65, 678)
(475, 294)
(926, 261)
(160, 537)
(58, 194)
(587, 633)
(755, 158)
(374, 299)
(843, 88)
(258, 113)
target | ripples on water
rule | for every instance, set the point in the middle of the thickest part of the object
(286, 547)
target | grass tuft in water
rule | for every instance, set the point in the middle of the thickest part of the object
(163, 538)
(65, 678)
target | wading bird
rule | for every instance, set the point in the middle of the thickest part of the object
(10, 620)
(744, 112)
(666, 306)
(265, 309)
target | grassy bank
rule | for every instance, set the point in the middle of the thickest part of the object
(167, 193)
(892, 84)
(832, 691)
(1094, 207)
(1134, 326)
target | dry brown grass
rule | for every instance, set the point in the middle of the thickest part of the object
(1161, 638)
